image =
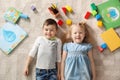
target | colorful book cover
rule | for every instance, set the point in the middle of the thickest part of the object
(12, 15)
(10, 36)
(110, 12)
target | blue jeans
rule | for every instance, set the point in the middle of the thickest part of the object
(46, 74)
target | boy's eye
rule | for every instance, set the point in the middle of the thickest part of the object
(46, 29)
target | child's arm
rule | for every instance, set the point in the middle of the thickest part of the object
(26, 69)
(58, 70)
(63, 64)
(90, 55)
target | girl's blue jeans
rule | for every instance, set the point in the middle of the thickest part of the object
(46, 74)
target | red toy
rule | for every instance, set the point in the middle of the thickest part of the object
(60, 22)
(87, 15)
(100, 49)
(64, 10)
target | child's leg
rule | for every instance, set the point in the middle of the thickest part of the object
(52, 74)
(41, 74)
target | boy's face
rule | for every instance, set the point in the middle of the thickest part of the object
(77, 34)
(49, 31)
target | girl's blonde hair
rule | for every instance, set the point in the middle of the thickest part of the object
(81, 25)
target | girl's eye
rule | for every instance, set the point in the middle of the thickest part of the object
(75, 33)
(46, 29)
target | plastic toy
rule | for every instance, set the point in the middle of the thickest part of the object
(64, 10)
(87, 15)
(93, 6)
(69, 22)
(53, 10)
(60, 22)
(94, 12)
(100, 49)
(98, 16)
(33, 8)
(99, 23)
(23, 16)
(69, 9)
(104, 46)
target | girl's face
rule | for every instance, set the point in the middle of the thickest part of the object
(49, 31)
(77, 34)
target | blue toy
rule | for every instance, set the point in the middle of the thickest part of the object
(98, 16)
(23, 16)
(104, 46)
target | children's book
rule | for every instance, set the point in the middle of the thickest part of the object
(110, 12)
(10, 36)
(12, 15)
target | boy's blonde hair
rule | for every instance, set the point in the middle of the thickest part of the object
(81, 25)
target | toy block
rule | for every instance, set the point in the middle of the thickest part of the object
(104, 46)
(33, 8)
(99, 23)
(93, 6)
(23, 16)
(111, 38)
(100, 49)
(69, 22)
(98, 16)
(94, 12)
(64, 10)
(69, 9)
(54, 6)
(54, 11)
(60, 22)
(87, 15)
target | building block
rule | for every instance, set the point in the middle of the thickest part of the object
(99, 23)
(104, 45)
(64, 10)
(54, 11)
(87, 15)
(60, 22)
(111, 38)
(94, 12)
(69, 22)
(33, 8)
(69, 9)
(54, 6)
(100, 49)
(98, 17)
(93, 6)
(23, 16)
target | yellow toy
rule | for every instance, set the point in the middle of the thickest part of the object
(68, 22)
(99, 23)
(69, 9)
(111, 38)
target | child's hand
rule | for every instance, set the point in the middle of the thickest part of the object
(62, 78)
(58, 77)
(26, 71)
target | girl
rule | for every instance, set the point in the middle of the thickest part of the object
(48, 51)
(77, 59)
